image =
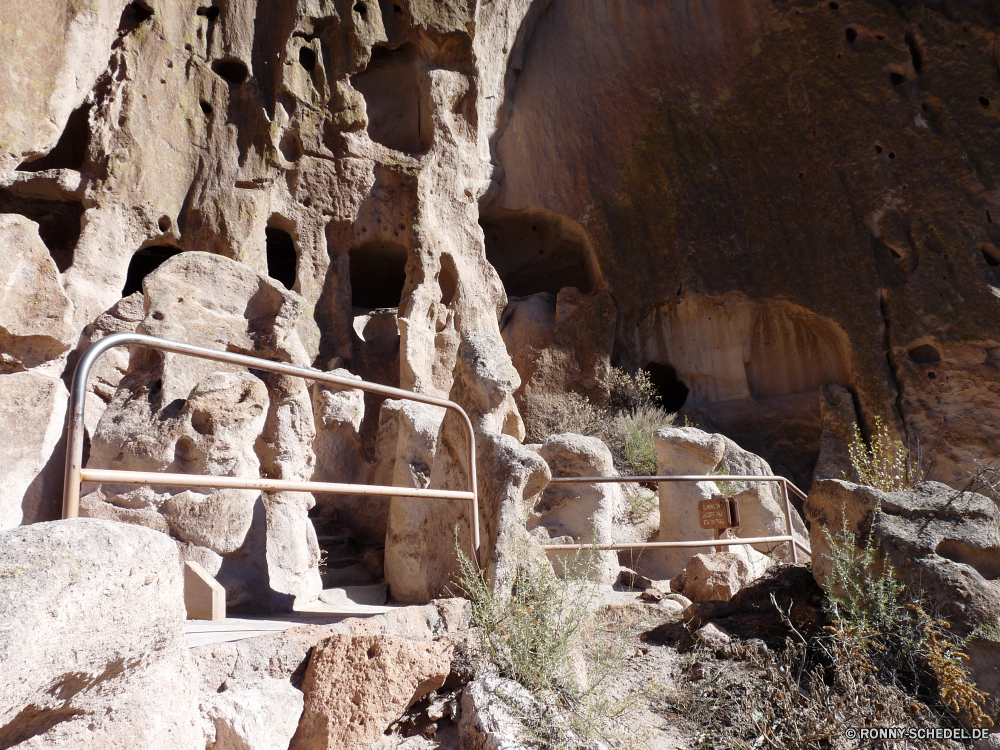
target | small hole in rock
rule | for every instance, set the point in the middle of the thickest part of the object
(851, 34)
(878, 149)
(925, 354)
(834, 6)
(932, 375)
(281, 256)
(361, 9)
(896, 78)
(892, 155)
(211, 13)
(378, 275)
(915, 55)
(990, 253)
(206, 107)
(984, 101)
(880, 37)
(448, 280)
(232, 71)
(163, 223)
(397, 9)
(144, 262)
(307, 58)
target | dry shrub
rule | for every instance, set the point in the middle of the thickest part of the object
(882, 462)
(881, 661)
(626, 423)
(536, 637)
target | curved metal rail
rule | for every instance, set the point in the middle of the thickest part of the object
(786, 485)
(76, 473)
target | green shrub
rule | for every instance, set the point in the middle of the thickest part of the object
(880, 660)
(626, 423)
(884, 463)
(535, 637)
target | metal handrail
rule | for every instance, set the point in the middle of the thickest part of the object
(76, 473)
(785, 485)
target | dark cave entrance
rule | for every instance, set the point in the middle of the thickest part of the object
(282, 259)
(59, 223)
(397, 98)
(536, 251)
(378, 275)
(143, 263)
(672, 391)
(71, 148)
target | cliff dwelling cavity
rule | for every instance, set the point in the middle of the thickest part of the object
(143, 263)
(71, 148)
(753, 370)
(378, 274)
(58, 223)
(397, 98)
(671, 390)
(282, 260)
(534, 250)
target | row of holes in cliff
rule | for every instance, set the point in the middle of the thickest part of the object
(377, 269)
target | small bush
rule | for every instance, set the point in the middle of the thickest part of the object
(626, 423)
(535, 636)
(881, 660)
(884, 463)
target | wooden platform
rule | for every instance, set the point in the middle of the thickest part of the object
(205, 632)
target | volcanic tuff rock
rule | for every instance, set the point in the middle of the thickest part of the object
(355, 686)
(944, 542)
(366, 186)
(92, 643)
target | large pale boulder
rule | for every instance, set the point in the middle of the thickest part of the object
(355, 686)
(942, 541)
(690, 451)
(186, 415)
(36, 316)
(32, 447)
(716, 576)
(92, 639)
(585, 512)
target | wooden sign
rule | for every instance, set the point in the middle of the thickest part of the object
(719, 513)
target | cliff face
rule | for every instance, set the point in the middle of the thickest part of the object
(753, 201)
(781, 195)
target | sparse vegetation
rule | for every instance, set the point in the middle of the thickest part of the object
(880, 661)
(883, 462)
(538, 635)
(626, 422)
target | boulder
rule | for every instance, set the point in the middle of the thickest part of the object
(32, 447)
(188, 415)
(356, 686)
(942, 541)
(492, 710)
(585, 512)
(716, 576)
(688, 450)
(92, 639)
(36, 316)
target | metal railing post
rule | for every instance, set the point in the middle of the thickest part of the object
(76, 473)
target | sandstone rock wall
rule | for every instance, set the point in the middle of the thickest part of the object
(757, 203)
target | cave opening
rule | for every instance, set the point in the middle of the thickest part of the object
(71, 148)
(307, 58)
(59, 223)
(378, 275)
(282, 260)
(143, 263)
(397, 98)
(672, 391)
(538, 251)
(231, 71)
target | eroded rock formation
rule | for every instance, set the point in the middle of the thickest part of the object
(419, 194)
